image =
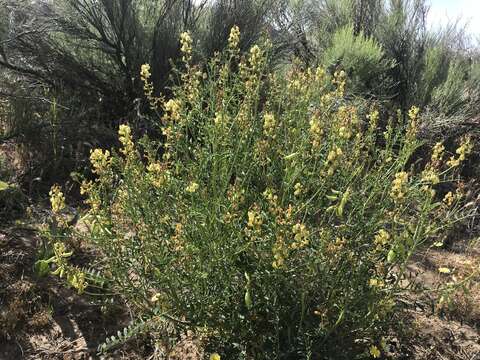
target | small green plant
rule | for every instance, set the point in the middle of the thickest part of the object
(363, 59)
(275, 219)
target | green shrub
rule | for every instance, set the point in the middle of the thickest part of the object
(275, 220)
(434, 72)
(361, 57)
(449, 96)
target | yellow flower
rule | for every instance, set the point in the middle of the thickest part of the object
(382, 237)
(100, 160)
(316, 132)
(145, 75)
(173, 108)
(145, 72)
(334, 154)
(254, 219)
(298, 189)
(339, 79)
(375, 352)
(437, 152)
(155, 297)
(221, 118)
(234, 37)
(125, 137)
(444, 270)
(192, 187)
(301, 235)
(186, 42)
(319, 74)
(465, 149)
(268, 124)
(375, 282)
(413, 112)
(256, 56)
(280, 252)
(430, 176)
(215, 356)
(449, 198)
(399, 184)
(373, 118)
(157, 174)
(57, 199)
(77, 280)
(412, 126)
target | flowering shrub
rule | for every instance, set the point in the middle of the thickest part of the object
(275, 219)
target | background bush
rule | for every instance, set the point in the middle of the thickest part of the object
(84, 56)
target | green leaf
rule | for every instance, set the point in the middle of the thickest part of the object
(42, 268)
(4, 185)
(391, 256)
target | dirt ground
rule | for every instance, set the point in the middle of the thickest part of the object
(41, 319)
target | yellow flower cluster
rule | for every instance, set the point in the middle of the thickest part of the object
(399, 186)
(430, 177)
(374, 351)
(176, 239)
(332, 158)
(280, 252)
(100, 160)
(320, 74)
(77, 280)
(186, 46)
(272, 199)
(93, 199)
(381, 239)
(221, 118)
(298, 189)
(339, 80)
(157, 174)
(254, 222)
(256, 57)
(375, 282)
(413, 112)
(234, 38)
(412, 125)
(254, 219)
(148, 86)
(269, 124)
(173, 107)
(125, 137)
(301, 235)
(437, 152)
(236, 197)
(347, 118)
(145, 72)
(334, 154)
(373, 119)
(215, 356)
(449, 199)
(316, 132)
(192, 187)
(57, 199)
(465, 149)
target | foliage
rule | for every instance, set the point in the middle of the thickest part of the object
(83, 58)
(13, 201)
(362, 58)
(448, 97)
(276, 218)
